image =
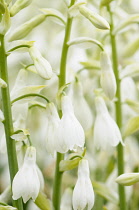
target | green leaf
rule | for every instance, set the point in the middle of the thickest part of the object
(43, 202)
(106, 192)
(131, 127)
(133, 105)
(66, 165)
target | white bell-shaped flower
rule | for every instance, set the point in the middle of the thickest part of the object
(107, 78)
(106, 131)
(81, 107)
(26, 182)
(70, 131)
(52, 126)
(66, 200)
(83, 193)
(42, 66)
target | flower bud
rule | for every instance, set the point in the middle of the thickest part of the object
(3, 84)
(82, 112)
(1, 116)
(27, 27)
(5, 22)
(70, 132)
(19, 5)
(26, 182)
(41, 64)
(128, 179)
(66, 201)
(106, 131)
(52, 126)
(83, 194)
(96, 20)
(107, 80)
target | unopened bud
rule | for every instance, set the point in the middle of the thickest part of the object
(5, 22)
(27, 27)
(108, 81)
(19, 5)
(3, 84)
(97, 20)
(128, 179)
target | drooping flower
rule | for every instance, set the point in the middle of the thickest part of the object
(66, 201)
(81, 107)
(106, 131)
(107, 79)
(41, 64)
(52, 126)
(26, 182)
(70, 131)
(83, 194)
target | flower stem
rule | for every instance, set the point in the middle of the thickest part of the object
(8, 125)
(62, 81)
(120, 152)
(30, 95)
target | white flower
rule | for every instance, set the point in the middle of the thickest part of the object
(26, 182)
(81, 107)
(52, 126)
(41, 64)
(70, 131)
(66, 201)
(107, 79)
(106, 131)
(83, 194)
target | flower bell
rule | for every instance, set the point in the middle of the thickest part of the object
(83, 194)
(26, 182)
(106, 131)
(81, 107)
(41, 64)
(107, 79)
(52, 126)
(70, 131)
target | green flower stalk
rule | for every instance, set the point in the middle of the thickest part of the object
(120, 151)
(8, 124)
(62, 81)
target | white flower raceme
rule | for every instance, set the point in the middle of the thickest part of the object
(41, 64)
(52, 126)
(107, 79)
(26, 182)
(106, 131)
(70, 131)
(81, 107)
(83, 194)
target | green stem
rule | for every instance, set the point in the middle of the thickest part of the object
(62, 81)
(8, 125)
(120, 155)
